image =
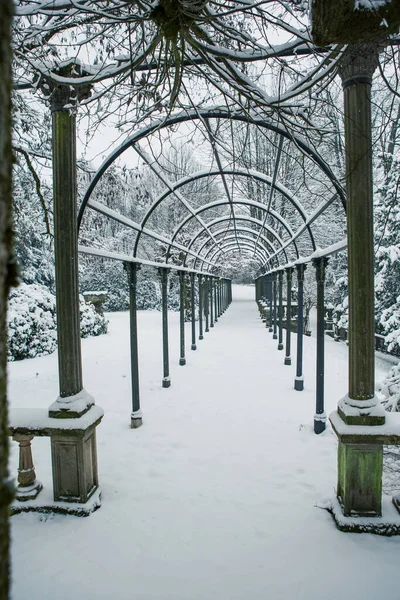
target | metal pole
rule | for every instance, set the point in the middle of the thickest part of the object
(289, 271)
(299, 379)
(215, 300)
(136, 415)
(320, 417)
(275, 335)
(193, 311)
(270, 305)
(207, 303)
(200, 307)
(166, 381)
(211, 280)
(182, 359)
(280, 310)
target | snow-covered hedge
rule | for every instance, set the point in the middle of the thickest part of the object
(31, 321)
(390, 324)
(388, 391)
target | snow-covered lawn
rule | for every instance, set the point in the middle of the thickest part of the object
(215, 497)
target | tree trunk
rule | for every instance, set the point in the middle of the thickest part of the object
(6, 277)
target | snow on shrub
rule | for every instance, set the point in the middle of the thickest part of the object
(32, 325)
(388, 391)
(341, 314)
(390, 323)
(92, 323)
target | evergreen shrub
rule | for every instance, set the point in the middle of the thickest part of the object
(32, 325)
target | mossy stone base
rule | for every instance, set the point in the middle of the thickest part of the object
(361, 419)
(387, 525)
(359, 490)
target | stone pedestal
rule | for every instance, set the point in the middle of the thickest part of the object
(74, 461)
(28, 486)
(359, 488)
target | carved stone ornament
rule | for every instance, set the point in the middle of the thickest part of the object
(63, 96)
(359, 63)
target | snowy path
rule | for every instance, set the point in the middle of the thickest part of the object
(214, 497)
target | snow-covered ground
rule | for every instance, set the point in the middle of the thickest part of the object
(216, 496)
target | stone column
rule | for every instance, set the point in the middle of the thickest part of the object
(136, 414)
(299, 379)
(289, 272)
(74, 453)
(356, 70)
(320, 417)
(182, 359)
(280, 310)
(359, 488)
(166, 380)
(73, 401)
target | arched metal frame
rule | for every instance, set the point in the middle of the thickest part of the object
(240, 241)
(226, 231)
(173, 188)
(232, 247)
(251, 203)
(236, 173)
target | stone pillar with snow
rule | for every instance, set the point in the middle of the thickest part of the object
(73, 452)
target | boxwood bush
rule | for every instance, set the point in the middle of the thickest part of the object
(32, 325)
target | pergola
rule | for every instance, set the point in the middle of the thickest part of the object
(279, 232)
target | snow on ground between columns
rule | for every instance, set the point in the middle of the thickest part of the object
(215, 496)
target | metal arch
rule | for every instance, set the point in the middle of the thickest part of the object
(227, 235)
(216, 113)
(226, 231)
(233, 246)
(241, 237)
(246, 203)
(169, 184)
(238, 218)
(109, 212)
(234, 172)
(246, 247)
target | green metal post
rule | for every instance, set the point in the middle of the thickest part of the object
(166, 381)
(275, 335)
(193, 311)
(200, 307)
(136, 415)
(211, 280)
(207, 303)
(320, 417)
(280, 310)
(289, 272)
(182, 359)
(216, 300)
(299, 379)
